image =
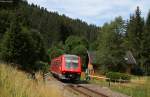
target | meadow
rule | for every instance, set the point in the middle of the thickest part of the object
(16, 83)
(137, 87)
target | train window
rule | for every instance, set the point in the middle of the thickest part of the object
(70, 63)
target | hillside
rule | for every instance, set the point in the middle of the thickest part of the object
(52, 26)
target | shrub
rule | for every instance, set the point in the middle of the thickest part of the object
(136, 70)
(118, 77)
(42, 66)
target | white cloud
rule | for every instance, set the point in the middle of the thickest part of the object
(94, 11)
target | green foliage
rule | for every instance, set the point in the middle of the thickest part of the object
(146, 45)
(79, 50)
(5, 17)
(53, 27)
(15, 44)
(65, 31)
(44, 67)
(138, 37)
(22, 48)
(74, 41)
(118, 77)
(110, 49)
(77, 45)
(116, 38)
(135, 31)
(56, 50)
(39, 46)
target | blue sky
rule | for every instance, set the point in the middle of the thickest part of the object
(95, 11)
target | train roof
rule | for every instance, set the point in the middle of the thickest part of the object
(70, 55)
(66, 55)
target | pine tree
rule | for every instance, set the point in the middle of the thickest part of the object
(65, 31)
(146, 45)
(135, 29)
(110, 50)
(17, 46)
(38, 45)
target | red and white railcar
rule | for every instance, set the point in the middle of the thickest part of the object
(66, 67)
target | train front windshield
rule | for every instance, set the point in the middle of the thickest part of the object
(71, 62)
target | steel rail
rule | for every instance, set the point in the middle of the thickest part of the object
(98, 93)
(86, 91)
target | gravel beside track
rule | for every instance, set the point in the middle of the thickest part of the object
(84, 92)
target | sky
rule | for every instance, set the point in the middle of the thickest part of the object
(95, 12)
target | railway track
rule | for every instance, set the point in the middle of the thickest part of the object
(82, 91)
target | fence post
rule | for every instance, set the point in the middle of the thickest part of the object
(109, 82)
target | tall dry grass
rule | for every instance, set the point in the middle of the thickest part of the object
(15, 83)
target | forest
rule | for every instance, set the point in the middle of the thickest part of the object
(31, 36)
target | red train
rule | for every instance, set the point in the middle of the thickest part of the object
(66, 67)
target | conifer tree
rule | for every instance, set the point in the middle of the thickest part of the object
(146, 44)
(17, 46)
(110, 50)
(135, 30)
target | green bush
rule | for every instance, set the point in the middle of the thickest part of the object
(118, 77)
(42, 66)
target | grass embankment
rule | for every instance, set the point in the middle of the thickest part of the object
(138, 87)
(15, 83)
